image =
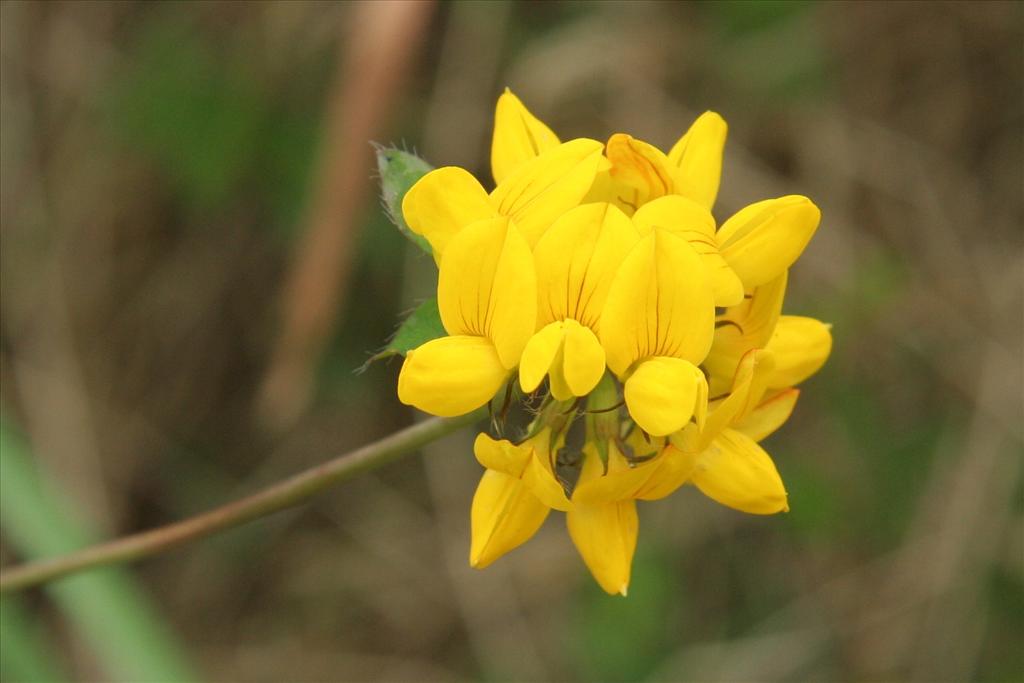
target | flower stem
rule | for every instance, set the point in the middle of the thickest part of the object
(282, 495)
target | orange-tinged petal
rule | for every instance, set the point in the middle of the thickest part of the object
(639, 172)
(504, 515)
(764, 239)
(519, 137)
(442, 203)
(451, 376)
(698, 158)
(487, 287)
(736, 472)
(546, 187)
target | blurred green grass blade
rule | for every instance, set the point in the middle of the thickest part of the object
(108, 607)
(24, 656)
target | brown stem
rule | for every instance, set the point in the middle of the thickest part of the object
(284, 494)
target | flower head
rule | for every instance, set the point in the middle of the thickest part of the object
(594, 282)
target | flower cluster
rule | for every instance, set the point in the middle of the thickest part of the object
(594, 281)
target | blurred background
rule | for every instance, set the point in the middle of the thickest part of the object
(195, 264)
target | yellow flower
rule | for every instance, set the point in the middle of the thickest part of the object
(639, 172)
(580, 262)
(656, 328)
(695, 224)
(753, 247)
(519, 136)
(576, 260)
(722, 459)
(635, 172)
(799, 345)
(446, 200)
(764, 239)
(602, 521)
(514, 496)
(487, 297)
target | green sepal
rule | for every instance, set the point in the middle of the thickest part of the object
(603, 425)
(422, 325)
(399, 170)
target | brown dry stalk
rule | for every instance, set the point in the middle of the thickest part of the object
(280, 496)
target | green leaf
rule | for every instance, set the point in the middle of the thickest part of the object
(421, 326)
(399, 170)
(108, 607)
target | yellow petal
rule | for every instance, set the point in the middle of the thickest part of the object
(583, 361)
(501, 455)
(749, 325)
(621, 482)
(736, 472)
(529, 461)
(487, 287)
(673, 469)
(442, 203)
(505, 514)
(639, 172)
(451, 376)
(660, 304)
(541, 481)
(604, 189)
(800, 346)
(748, 388)
(557, 383)
(576, 260)
(539, 354)
(662, 394)
(519, 136)
(764, 239)
(605, 536)
(698, 157)
(678, 215)
(694, 223)
(769, 415)
(546, 187)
